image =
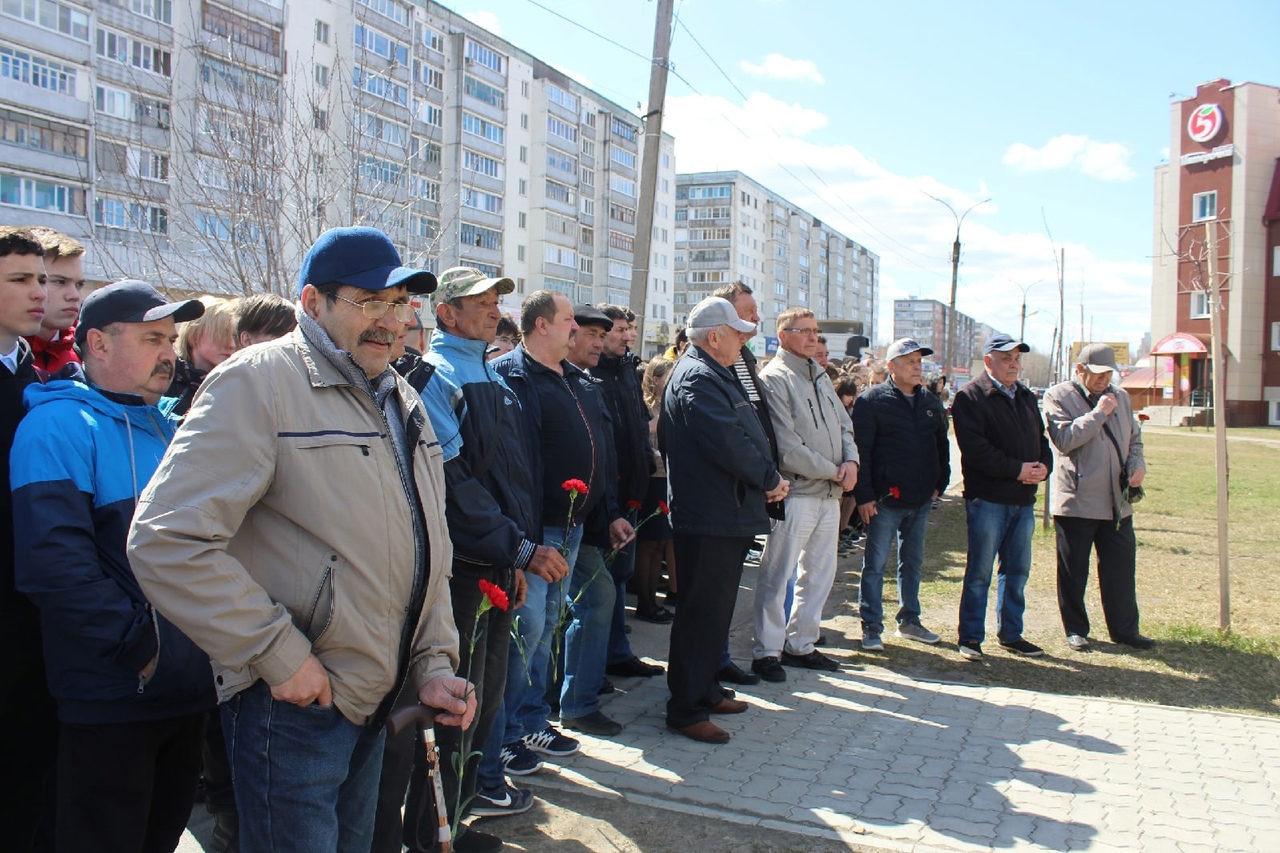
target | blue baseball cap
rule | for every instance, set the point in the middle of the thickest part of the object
(360, 257)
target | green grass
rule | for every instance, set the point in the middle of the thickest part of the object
(1194, 665)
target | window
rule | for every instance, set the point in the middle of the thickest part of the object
(620, 269)
(524, 154)
(240, 30)
(586, 266)
(588, 148)
(157, 10)
(322, 76)
(382, 44)
(625, 242)
(319, 119)
(588, 206)
(1204, 206)
(1199, 304)
(621, 128)
(377, 127)
(524, 88)
(588, 177)
(432, 78)
(379, 86)
(589, 117)
(481, 200)
(562, 129)
(477, 162)
(622, 214)
(425, 188)
(429, 113)
(562, 162)
(40, 195)
(115, 102)
(51, 15)
(236, 78)
(563, 193)
(322, 32)
(485, 238)
(481, 55)
(482, 91)
(522, 219)
(115, 213)
(389, 8)
(559, 285)
(149, 165)
(379, 171)
(42, 134)
(37, 71)
(554, 254)
(556, 95)
(424, 150)
(473, 124)
(622, 156)
(523, 187)
(432, 39)
(519, 253)
(626, 186)
(425, 227)
(1275, 337)
(697, 192)
(557, 224)
(588, 237)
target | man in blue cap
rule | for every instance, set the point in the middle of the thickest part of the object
(1004, 454)
(296, 531)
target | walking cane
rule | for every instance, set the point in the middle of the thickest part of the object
(424, 717)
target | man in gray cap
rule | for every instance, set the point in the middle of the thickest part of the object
(721, 475)
(901, 430)
(1005, 455)
(1098, 447)
(296, 531)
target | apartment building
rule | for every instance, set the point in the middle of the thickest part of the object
(929, 321)
(204, 144)
(730, 228)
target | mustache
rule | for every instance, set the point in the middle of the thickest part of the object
(377, 336)
(163, 369)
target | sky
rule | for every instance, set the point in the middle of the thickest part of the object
(1051, 117)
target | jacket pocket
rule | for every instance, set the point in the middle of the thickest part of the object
(321, 607)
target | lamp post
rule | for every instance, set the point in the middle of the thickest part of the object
(1022, 327)
(950, 331)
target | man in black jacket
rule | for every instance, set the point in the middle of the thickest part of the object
(1004, 453)
(721, 475)
(28, 718)
(901, 432)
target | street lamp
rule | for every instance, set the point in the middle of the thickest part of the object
(955, 275)
(1022, 328)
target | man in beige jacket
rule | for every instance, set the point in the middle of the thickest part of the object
(295, 531)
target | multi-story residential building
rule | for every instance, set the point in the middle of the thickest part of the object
(1219, 196)
(927, 321)
(730, 228)
(205, 144)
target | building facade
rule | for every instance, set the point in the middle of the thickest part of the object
(1219, 196)
(730, 228)
(204, 144)
(928, 321)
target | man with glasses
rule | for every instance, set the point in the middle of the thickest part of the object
(817, 454)
(295, 530)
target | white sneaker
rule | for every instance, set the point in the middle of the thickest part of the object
(916, 631)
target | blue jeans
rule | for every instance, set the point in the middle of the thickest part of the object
(1004, 531)
(591, 597)
(524, 705)
(908, 526)
(622, 568)
(305, 779)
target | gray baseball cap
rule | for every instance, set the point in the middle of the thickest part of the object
(905, 346)
(715, 311)
(1097, 358)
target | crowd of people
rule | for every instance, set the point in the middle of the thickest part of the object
(243, 534)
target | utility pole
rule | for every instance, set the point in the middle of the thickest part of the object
(1022, 326)
(1061, 370)
(949, 321)
(652, 153)
(1218, 364)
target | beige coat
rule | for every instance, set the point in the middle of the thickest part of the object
(278, 525)
(1086, 473)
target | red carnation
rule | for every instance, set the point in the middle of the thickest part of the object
(636, 505)
(574, 487)
(895, 492)
(1144, 417)
(495, 594)
(663, 508)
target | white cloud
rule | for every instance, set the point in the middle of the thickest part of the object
(488, 20)
(779, 67)
(1107, 161)
(891, 215)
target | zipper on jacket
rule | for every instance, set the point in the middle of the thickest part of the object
(812, 414)
(144, 680)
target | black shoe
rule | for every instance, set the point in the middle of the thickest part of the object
(594, 723)
(1022, 647)
(821, 641)
(658, 616)
(735, 674)
(606, 687)
(474, 841)
(769, 669)
(1137, 641)
(633, 667)
(814, 660)
(726, 692)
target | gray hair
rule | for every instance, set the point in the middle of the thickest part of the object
(700, 334)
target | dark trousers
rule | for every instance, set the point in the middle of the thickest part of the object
(404, 760)
(28, 734)
(710, 569)
(127, 787)
(1117, 556)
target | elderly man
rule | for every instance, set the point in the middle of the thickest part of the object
(901, 430)
(1098, 448)
(296, 531)
(722, 474)
(1004, 455)
(817, 454)
(131, 688)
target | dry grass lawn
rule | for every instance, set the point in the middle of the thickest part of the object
(1194, 664)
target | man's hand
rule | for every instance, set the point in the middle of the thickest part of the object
(150, 668)
(620, 533)
(1106, 404)
(847, 476)
(455, 698)
(520, 591)
(778, 492)
(309, 684)
(1032, 473)
(867, 511)
(548, 563)
(1136, 478)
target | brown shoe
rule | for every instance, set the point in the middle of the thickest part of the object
(704, 731)
(729, 706)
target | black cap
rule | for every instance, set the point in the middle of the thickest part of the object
(1000, 342)
(131, 301)
(589, 315)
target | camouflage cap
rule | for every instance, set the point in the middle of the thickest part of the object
(456, 282)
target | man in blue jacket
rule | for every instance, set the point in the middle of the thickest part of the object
(721, 474)
(901, 431)
(131, 688)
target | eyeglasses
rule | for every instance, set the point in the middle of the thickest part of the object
(375, 310)
(801, 331)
